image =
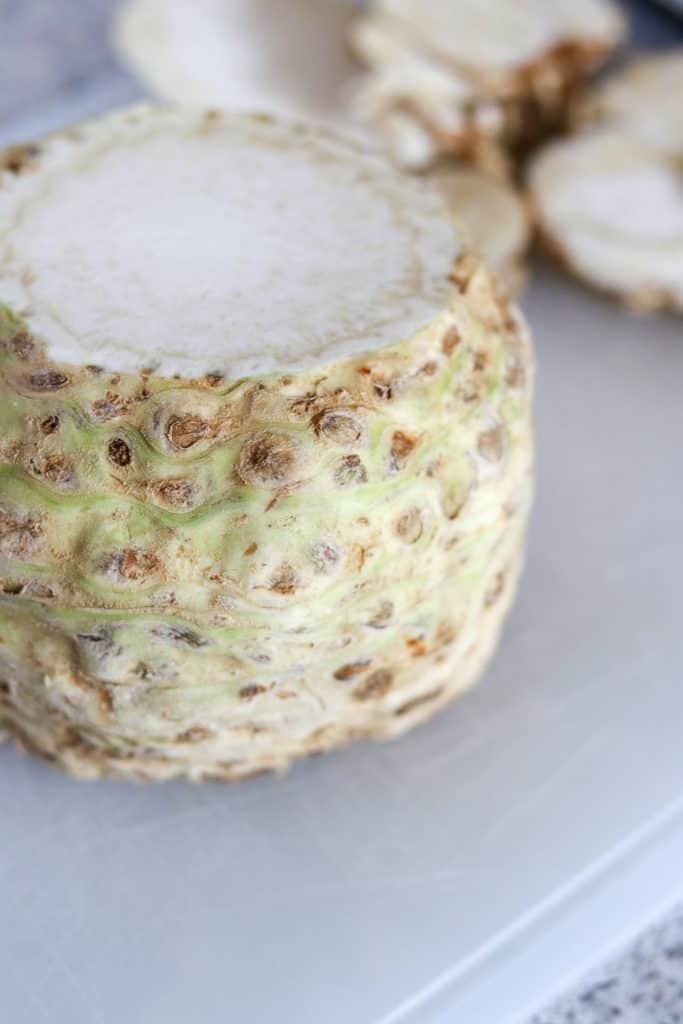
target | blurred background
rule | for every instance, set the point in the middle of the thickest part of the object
(56, 61)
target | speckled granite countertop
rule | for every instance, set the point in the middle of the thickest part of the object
(55, 51)
(642, 986)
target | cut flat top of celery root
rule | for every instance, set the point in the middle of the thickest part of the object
(195, 243)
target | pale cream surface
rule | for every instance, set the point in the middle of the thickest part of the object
(504, 33)
(233, 245)
(491, 212)
(288, 57)
(645, 98)
(614, 207)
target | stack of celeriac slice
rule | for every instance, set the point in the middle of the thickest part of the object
(474, 79)
(608, 201)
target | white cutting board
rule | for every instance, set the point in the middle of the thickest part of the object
(460, 874)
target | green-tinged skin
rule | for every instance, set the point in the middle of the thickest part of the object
(209, 578)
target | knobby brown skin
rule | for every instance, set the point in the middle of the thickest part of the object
(210, 578)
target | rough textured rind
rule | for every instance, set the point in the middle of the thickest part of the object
(210, 577)
(608, 205)
(482, 81)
